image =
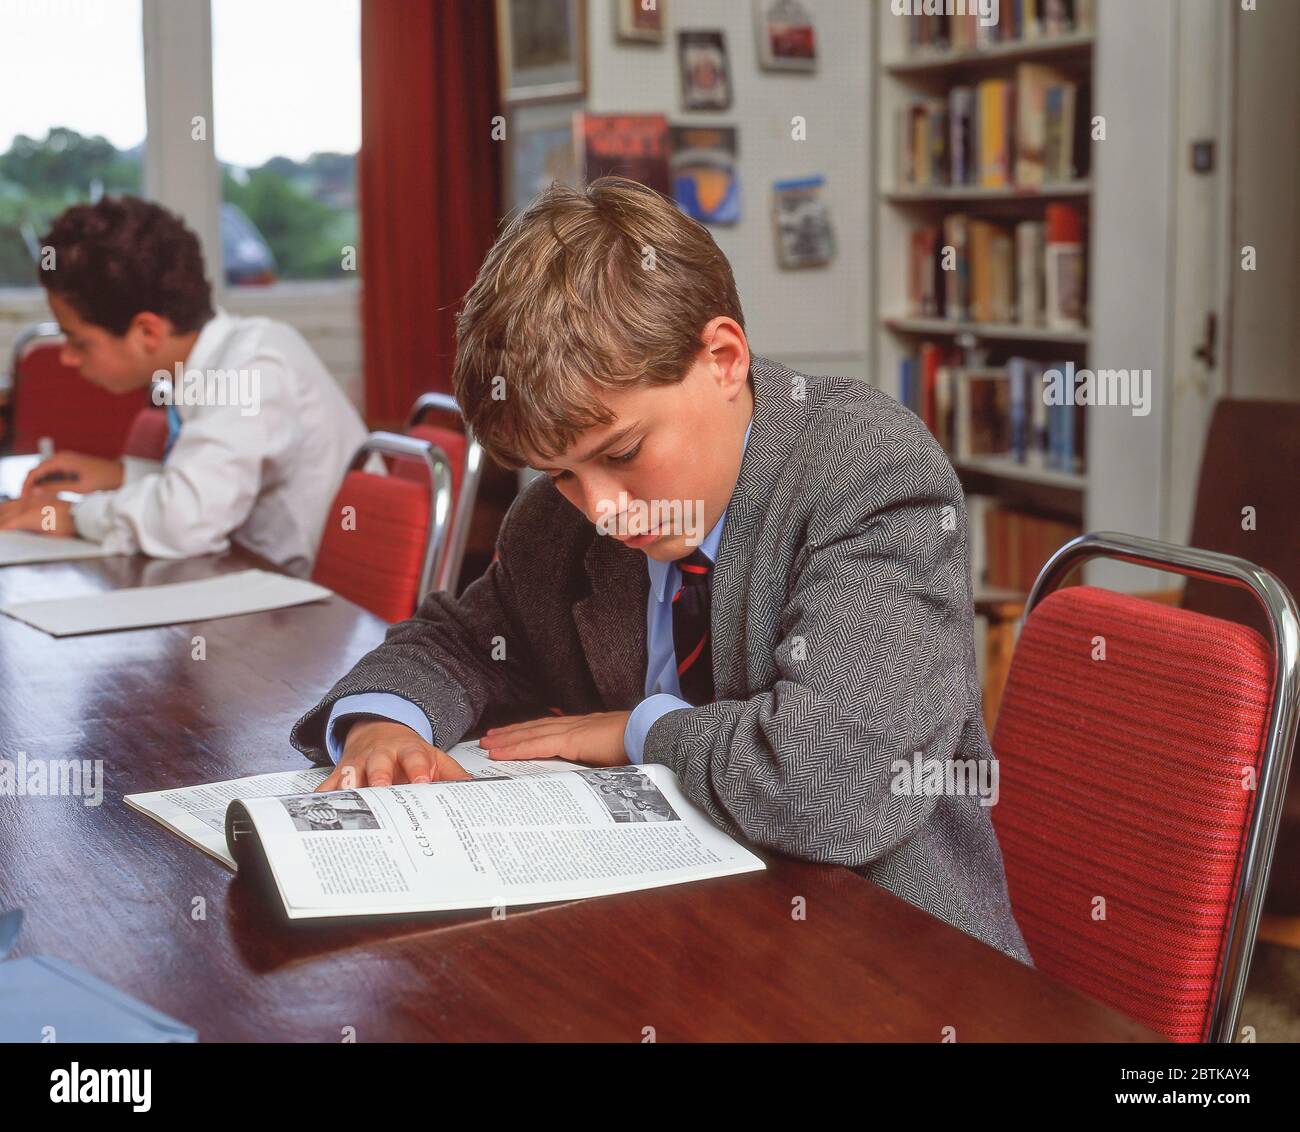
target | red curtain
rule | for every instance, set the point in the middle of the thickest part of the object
(429, 187)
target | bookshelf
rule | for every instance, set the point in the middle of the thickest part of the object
(909, 74)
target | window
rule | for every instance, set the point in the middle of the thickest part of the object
(286, 88)
(59, 144)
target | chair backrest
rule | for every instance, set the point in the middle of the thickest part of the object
(1142, 750)
(147, 437)
(1251, 461)
(384, 532)
(54, 400)
(466, 455)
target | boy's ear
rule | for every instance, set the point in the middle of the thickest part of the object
(151, 328)
(726, 348)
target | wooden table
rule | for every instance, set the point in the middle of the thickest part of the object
(108, 889)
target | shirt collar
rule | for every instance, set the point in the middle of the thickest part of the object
(660, 571)
(208, 344)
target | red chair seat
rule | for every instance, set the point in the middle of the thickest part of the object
(147, 438)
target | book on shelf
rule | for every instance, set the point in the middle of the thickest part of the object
(1030, 131)
(1013, 545)
(992, 412)
(968, 269)
(1017, 21)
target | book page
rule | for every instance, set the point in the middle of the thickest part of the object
(198, 813)
(525, 839)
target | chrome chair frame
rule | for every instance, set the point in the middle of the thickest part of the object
(1284, 623)
(438, 465)
(454, 555)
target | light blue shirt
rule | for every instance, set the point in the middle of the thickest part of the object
(662, 688)
(173, 429)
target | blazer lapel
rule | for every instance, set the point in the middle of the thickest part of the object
(611, 621)
(778, 419)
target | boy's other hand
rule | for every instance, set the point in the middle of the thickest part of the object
(596, 740)
(74, 472)
(38, 513)
(379, 752)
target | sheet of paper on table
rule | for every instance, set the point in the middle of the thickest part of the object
(177, 603)
(21, 547)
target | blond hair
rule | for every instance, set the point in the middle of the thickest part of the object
(586, 291)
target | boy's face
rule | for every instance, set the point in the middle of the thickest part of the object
(117, 363)
(660, 475)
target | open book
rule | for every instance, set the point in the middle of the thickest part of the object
(523, 832)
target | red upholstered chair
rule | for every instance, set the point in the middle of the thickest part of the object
(381, 553)
(466, 455)
(54, 400)
(147, 437)
(1140, 786)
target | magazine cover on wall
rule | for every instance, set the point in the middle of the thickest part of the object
(706, 84)
(541, 151)
(705, 183)
(786, 41)
(541, 49)
(623, 145)
(804, 237)
(640, 21)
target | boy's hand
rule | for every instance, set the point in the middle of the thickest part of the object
(76, 473)
(38, 513)
(596, 740)
(379, 752)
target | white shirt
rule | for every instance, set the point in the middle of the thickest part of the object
(258, 463)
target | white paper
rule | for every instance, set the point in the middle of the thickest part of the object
(198, 813)
(18, 547)
(227, 595)
(13, 471)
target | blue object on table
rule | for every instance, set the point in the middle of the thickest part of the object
(46, 999)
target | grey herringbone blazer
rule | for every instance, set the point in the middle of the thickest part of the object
(842, 643)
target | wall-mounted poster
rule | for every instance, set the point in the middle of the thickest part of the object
(804, 237)
(541, 49)
(640, 21)
(706, 84)
(623, 145)
(705, 182)
(785, 35)
(540, 152)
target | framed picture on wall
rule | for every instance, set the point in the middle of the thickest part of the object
(640, 21)
(541, 49)
(706, 81)
(785, 35)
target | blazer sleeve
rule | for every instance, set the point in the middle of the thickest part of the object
(874, 664)
(451, 660)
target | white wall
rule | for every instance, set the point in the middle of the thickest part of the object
(815, 320)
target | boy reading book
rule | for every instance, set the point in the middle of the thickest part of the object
(751, 575)
(259, 433)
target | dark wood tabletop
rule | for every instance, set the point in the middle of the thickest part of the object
(798, 952)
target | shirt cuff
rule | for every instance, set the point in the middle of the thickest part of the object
(644, 716)
(90, 515)
(385, 705)
(137, 467)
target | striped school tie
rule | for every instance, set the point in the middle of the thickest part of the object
(691, 628)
